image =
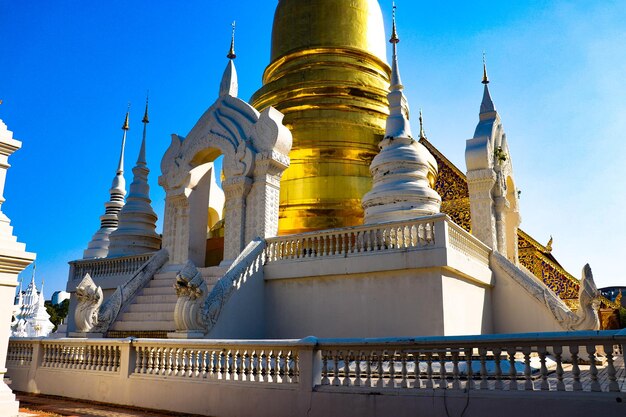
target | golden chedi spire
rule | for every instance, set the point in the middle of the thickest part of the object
(328, 76)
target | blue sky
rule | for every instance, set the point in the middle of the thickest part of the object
(558, 72)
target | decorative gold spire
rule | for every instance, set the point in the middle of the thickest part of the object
(549, 245)
(394, 34)
(125, 125)
(422, 134)
(485, 77)
(231, 53)
(145, 115)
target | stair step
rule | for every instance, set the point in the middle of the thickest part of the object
(160, 283)
(156, 299)
(150, 307)
(166, 275)
(148, 316)
(158, 291)
(144, 325)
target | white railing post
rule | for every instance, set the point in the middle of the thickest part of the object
(309, 369)
(36, 359)
(127, 358)
(441, 232)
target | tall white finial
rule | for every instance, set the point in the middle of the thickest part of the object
(229, 85)
(136, 229)
(422, 134)
(486, 106)
(404, 169)
(98, 247)
(142, 152)
(231, 52)
(398, 121)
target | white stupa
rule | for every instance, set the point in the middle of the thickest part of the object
(31, 318)
(403, 169)
(99, 245)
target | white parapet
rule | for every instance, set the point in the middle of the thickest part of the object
(13, 260)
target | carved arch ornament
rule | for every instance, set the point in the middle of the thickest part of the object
(256, 152)
(494, 201)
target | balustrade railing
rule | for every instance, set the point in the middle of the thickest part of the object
(519, 362)
(97, 355)
(413, 234)
(20, 352)
(106, 267)
(551, 362)
(262, 363)
(467, 244)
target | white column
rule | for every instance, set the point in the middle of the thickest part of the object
(480, 183)
(264, 197)
(236, 190)
(13, 260)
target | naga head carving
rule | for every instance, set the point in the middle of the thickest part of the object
(89, 297)
(189, 282)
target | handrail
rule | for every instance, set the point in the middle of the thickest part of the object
(106, 267)
(402, 235)
(560, 361)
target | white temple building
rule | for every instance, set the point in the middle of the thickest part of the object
(30, 316)
(394, 298)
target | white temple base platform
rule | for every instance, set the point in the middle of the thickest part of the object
(9, 406)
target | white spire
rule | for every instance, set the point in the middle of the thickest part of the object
(136, 231)
(98, 247)
(229, 85)
(486, 106)
(397, 122)
(404, 169)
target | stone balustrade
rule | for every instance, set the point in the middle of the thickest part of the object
(93, 355)
(271, 363)
(290, 377)
(108, 267)
(20, 352)
(420, 233)
(413, 234)
(512, 362)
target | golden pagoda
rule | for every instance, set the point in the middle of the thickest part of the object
(329, 77)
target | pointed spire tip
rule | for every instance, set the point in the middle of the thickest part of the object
(231, 52)
(394, 32)
(145, 115)
(485, 77)
(125, 126)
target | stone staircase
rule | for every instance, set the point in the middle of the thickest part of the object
(152, 310)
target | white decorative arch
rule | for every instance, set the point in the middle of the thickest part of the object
(256, 152)
(493, 196)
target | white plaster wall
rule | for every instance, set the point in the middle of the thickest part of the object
(396, 303)
(242, 316)
(517, 311)
(467, 307)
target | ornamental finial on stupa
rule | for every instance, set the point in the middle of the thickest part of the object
(98, 247)
(487, 107)
(401, 172)
(145, 114)
(485, 77)
(394, 33)
(229, 85)
(422, 134)
(231, 52)
(125, 126)
(135, 232)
